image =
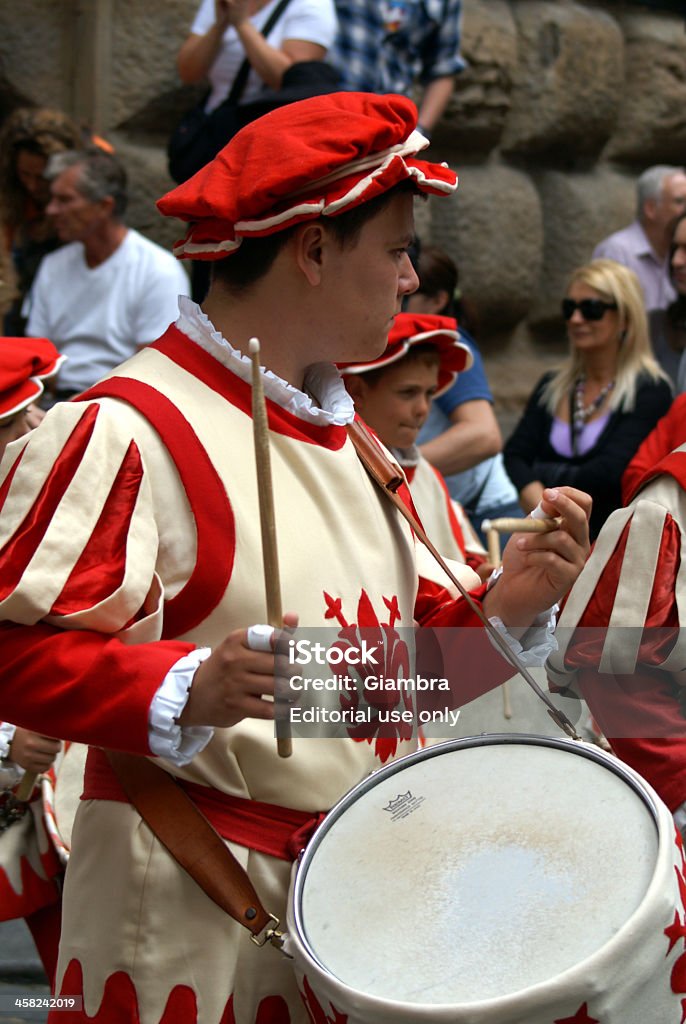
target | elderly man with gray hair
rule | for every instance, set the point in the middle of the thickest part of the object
(109, 291)
(643, 246)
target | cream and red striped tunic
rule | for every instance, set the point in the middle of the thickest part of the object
(123, 546)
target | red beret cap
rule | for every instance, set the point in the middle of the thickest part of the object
(414, 329)
(317, 157)
(24, 363)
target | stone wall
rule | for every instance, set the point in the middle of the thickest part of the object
(562, 104)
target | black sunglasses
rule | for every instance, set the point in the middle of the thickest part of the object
(590, 309)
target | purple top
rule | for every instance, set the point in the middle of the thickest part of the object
(561, 436)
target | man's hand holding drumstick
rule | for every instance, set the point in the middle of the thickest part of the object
(539, 568)
(230, 684)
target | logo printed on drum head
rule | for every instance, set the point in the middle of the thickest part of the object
(403, 805)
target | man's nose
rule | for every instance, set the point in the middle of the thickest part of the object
(409, 282)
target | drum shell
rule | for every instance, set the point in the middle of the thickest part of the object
(631, 979)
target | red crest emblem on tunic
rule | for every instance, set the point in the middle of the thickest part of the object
(390, 708)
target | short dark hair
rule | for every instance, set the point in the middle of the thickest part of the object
(256, 255)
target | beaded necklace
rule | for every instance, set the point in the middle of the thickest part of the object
(581, 413)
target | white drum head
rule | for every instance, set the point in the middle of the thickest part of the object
(475, 871)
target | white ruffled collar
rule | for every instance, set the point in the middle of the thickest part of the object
(326, 401)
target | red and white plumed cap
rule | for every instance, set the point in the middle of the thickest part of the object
(318, 157)
(415, 329)
(24, 364)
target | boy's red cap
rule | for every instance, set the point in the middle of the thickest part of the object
(24, 363)
(414, 329)
(315, 158)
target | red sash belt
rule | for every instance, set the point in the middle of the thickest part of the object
(268, 828)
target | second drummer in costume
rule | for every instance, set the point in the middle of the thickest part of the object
(622, 638)
(137, 571)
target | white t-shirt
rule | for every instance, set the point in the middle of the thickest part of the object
(98, 316)
(312, 21)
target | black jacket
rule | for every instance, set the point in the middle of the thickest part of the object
(529, 455)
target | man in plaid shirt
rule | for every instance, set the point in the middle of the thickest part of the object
(389, 45)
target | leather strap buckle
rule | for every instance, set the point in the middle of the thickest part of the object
(270, 933)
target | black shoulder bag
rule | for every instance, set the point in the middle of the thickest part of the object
(200, 135)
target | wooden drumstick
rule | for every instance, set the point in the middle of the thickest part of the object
(493, 542)
(25, 787)
(507, 525)
(270, 557)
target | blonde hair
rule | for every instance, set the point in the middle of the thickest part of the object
(617, 284)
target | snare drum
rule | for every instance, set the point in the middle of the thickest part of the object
(494, 880)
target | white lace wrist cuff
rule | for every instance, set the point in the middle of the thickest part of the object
(537, 642)
(167, 738)
(7, 731)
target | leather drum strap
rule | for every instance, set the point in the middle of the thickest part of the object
(385, 474)
(191, 840)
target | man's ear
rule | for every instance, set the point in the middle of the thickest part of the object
(650, 209)
(309, 241)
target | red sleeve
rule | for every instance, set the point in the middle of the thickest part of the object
(668, 434)
(643, 701)
(452, 642)
(639, 713)
(81, 685)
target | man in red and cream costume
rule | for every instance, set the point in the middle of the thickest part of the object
(131, 555)
(621, 634)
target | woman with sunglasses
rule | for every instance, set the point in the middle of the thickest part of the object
(585, 420)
